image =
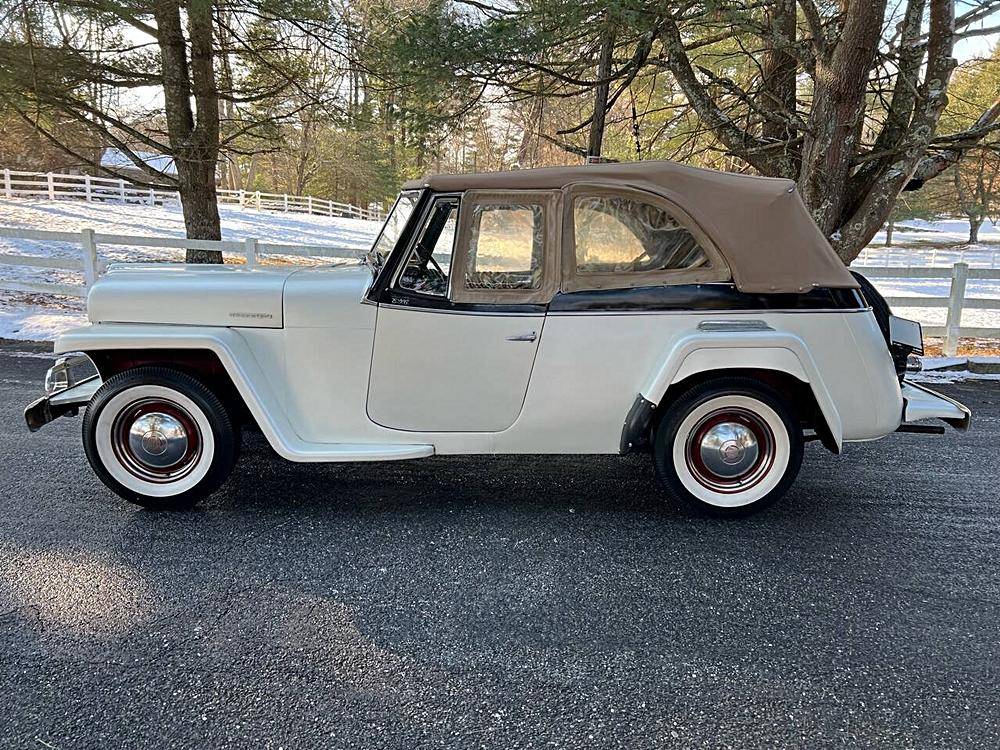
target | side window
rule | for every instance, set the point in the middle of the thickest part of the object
(506, 244)
(622, 235)
(428, 265)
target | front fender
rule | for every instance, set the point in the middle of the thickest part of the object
(249, 379)
(760, 350)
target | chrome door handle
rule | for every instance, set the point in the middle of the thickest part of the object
(523, 337)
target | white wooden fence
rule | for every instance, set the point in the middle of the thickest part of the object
(956, 301)
(53, 186)
(92, 265)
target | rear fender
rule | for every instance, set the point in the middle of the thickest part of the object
(759, 350)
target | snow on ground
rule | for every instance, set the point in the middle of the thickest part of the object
(36, 316)
(931, 377)
(21, 319)
(937, 243)
(43, 317)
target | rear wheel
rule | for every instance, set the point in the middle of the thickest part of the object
(728, 447)
(159, 437)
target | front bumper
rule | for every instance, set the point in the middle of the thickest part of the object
(65, 391)
(920, 403)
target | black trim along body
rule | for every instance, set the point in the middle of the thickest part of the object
(721, 297)
(718, 297)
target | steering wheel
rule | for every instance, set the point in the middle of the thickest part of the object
(430, 259)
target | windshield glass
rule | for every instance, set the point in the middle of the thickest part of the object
(393, 227)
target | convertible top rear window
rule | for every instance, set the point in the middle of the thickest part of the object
(616, 234)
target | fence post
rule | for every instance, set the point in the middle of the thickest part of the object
(6, 183)
(89, 256)
(87, 188)
(309, 204)
(243, 197)
(52, 187)
(152, 197)
(956, 299)
(250, 248)
(285, 197)
(121, 189)
(258, 200)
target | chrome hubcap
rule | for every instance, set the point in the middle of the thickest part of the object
(729, 449)
(158, 440)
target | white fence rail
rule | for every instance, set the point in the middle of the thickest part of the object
(53, 186)
(986, 255)
(92, 265)
(956, 301)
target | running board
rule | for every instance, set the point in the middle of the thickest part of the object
(344, 452)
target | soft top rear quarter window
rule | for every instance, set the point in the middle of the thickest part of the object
(617, 237)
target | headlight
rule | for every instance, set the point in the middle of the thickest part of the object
(61, 376)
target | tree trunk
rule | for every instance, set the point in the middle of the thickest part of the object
(831, 143)
(857, 225)
(195, 142)
(778, 86)
(974, 223)
(889, 227)
(596, 140)
(201, 208)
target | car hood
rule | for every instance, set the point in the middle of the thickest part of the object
(189, 294)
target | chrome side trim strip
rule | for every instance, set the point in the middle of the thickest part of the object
(734, 325)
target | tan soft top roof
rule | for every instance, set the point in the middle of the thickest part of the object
(759, 224)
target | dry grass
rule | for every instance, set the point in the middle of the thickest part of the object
(966, 348)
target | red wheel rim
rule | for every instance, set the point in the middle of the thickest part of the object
(156, 440)
(730, 432)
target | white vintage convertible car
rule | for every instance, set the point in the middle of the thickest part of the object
(695, 315)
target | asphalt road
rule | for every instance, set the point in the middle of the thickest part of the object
(501, 602)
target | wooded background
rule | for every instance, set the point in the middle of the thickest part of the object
(861, 102)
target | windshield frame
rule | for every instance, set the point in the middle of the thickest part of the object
(377, 260)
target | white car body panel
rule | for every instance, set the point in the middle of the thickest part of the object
(308, 385)
(445, 372)
(179, 294)
(591, 366)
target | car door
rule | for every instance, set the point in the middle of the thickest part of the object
(459, 324)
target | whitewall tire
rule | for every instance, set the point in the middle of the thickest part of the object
(159, 437)
(729, 446)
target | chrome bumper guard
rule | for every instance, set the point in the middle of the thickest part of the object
(921, 403)
(65, 391)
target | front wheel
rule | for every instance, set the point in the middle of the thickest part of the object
(728, 447)
(159, 438)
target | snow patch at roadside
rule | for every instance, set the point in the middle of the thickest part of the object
(38, 322)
